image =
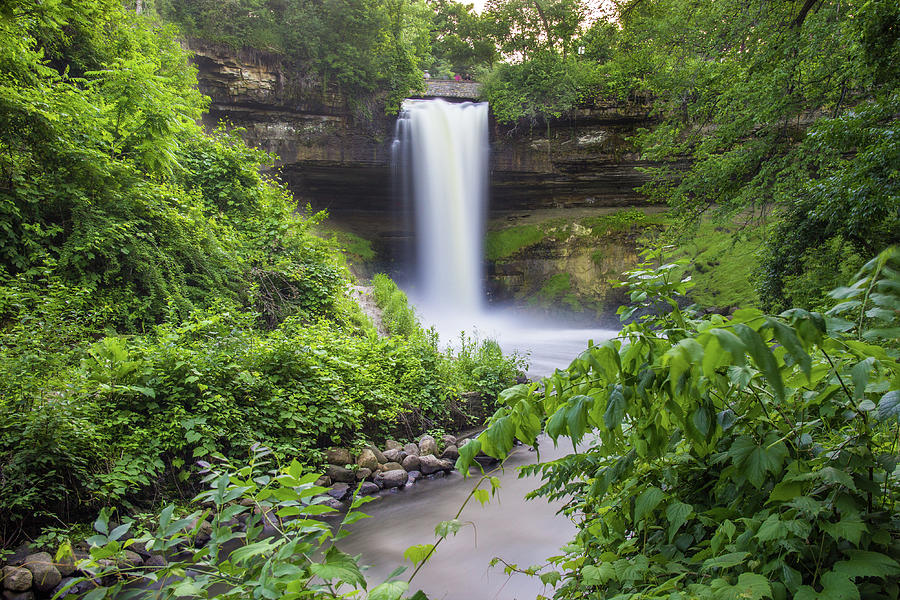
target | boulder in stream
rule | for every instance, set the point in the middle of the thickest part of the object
(393, 478)
(411, 463)
(394, 455)
(341, 474)
(16, 579)
(393, 445)
(45, 575)
(411, 448)
(338, 456)
(392, 466)
(367, 460)
(450, 453)
(432, 464)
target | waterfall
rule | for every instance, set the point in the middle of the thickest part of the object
(440, 157)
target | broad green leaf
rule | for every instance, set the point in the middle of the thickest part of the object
(418, 553)
(646, 502)
(863, 563)
(511, 396)
(598, 574)
(340, 566)
(447, 528)
(677, 514)
(850, 528)
(389, 590)
(889, 406)
(860, 375)
(787, 337)
(550, 578)
(615, 408)
(482, 495)
(749, 586)
(731, 344)
(498, 439)
(763, 358)
(724, 561)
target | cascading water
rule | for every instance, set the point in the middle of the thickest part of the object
(441, 149)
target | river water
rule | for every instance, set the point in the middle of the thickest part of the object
(523, 532)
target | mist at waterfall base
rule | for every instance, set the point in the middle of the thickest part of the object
(441, 153)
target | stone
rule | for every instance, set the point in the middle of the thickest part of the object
(339, 491)
(204, 534)
(411, 463)
(11, 595)
(330, 502)
(367, 460)
(394, 455)
(248, 502)
(155, 561)
(338, 456)
(73, 590)
(449, 440)
(44, 573)
(379, 455)
(17, 579)
(141, 548)
(19, 555)
(133, 559)
(392, 466)
(432, 464)
(363, 474)
(324, 481)
(393, 445)
(462, 443)
(427, 445)
(411, 448)
(368, 488)
(393, 478)
(340, 474)
(451, 452)
(414, 476)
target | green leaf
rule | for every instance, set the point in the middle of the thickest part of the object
(389, 590)
(448, 528)
(860, 375)
(849, 528)
(418, 553)
(646, 502)
(864, 563)
(889, 406)
(482, 495)
(467, 454)
(724, 561)
(750, 586)
(511, 396)
(498, 439)
(615, 408)
(677, 514)
(598, 574)
(787, 337)
(340, 566)
(550, 578)
(763, 358)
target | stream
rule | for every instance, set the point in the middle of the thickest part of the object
(524, 532)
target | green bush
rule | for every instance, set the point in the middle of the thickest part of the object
(749, 457)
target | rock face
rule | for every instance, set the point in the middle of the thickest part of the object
(339, 158)
(45, 575)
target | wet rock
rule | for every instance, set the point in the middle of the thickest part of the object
(66, 565)
(393, 478)
(393, 466)
(414, 476)
(379, 455)
(141, 547)
(341, 474)
(394, 455)
(393, 445)
(368, 488)
(339, 491)
(330, 502)
(323, 481)
(462, 443)
(133, 559)
(437, 475)
(17, 579)
(44, 573)
(363, 474)
(411, 463)
(449, 440)
(427, 445)
(411, 448)
(432, 464)
(11, 595)
(19, 555)
(338, 456)
(155, 561)
(367, 460)
(450, 453)
(486, 461)
(72, 591)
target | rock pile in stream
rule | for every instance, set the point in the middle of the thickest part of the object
(395, 466)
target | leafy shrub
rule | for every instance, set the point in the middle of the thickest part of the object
(750, 457)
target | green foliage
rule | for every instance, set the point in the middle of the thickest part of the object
(396, 313)
(506, 242)
(363, 48)
(786, 108)
(750, 457)
(266, 539)
(558, 288)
